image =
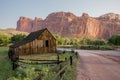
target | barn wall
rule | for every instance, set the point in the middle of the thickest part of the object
(38, 45)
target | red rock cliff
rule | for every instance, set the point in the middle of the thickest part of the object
(69, 25)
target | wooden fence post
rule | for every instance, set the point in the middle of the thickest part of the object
(76, 53)
(72, 51)
(61, 72)
(9, 54)
(14, 62)
(64, 52)
(58, 59)
(15, 65)
(71, 60)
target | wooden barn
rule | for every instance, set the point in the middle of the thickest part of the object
(37, 42)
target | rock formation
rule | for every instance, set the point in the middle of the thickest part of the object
(67, 24)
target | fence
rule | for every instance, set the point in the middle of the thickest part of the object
(61, 71)
(61, 64)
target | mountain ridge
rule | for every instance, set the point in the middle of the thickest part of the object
(69, 25)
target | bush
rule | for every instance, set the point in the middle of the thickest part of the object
(91, 41)
(4, 40)
(24, 74)
(106, 47)
(93, 47)
(89, 47)
(115, 39)
(99, 42)
(18, 37)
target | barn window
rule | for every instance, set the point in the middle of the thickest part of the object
(47, 43)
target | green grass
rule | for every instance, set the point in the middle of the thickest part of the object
(71, 71)
(45, 56)
(5, 65)
(93, 47)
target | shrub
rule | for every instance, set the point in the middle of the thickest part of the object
(106, 47)
(91, 41)
(18, 37)
(115, 39)
(4, 40)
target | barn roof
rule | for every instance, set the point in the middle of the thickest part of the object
(29, 38)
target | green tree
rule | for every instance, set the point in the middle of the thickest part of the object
(99, 42)
(59, 39)
(85, 41)
(4, 40)
(92, 41)
(115, 39)
(74, 41)
(67, 41)
(18, 37)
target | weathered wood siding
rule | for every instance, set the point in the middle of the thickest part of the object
(38, 45)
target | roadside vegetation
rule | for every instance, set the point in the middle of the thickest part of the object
(89, 43)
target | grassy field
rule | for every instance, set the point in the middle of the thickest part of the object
(11, 32)
(45, 56)
(91, 47)
(5, 65)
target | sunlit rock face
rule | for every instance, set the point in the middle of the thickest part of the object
(69, 25)
(28, 25)
(24, 24)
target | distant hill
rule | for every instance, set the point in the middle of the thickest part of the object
(10, 29)
(69, 25)
(10, 32)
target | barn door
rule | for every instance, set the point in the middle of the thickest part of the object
(46, 43)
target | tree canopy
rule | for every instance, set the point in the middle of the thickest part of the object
(4, 40)
(115, 39)
(18, 37)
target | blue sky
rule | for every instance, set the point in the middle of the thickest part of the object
(11, 10)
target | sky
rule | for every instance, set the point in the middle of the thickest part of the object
(11, 10)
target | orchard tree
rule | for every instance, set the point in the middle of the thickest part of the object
(92, 41)
(18, 37)
(99, 42)
(4, 40)
(59, 39)
(85, 41)
(115, 39)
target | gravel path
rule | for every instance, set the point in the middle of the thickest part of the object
(95, 67)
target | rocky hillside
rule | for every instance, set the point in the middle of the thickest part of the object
(69, 25)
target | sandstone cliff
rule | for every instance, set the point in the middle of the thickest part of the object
(69, 25)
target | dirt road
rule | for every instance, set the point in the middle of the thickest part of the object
(95, 67)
